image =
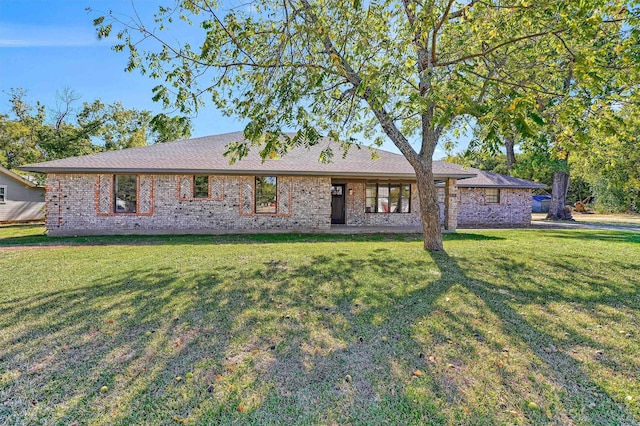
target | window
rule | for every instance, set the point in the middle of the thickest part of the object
(266, 194)
(388, 198)
(3, 194)
(492, 195)
(126, 192)
(201, 187)
(440, 193)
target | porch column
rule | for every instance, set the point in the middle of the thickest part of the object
(451, 204)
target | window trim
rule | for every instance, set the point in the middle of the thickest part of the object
(193, 187)
(255, 196)
(489, 198)
(4, 194)
(388, 185)
(114, 194)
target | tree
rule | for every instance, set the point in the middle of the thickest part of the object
(28, 135)
(167, 129)
(407, 70)
(587, 80)
(19, 131)
(611, 166)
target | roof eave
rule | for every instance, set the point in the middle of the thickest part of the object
(97, 170)
(18, 177)
(504, 186)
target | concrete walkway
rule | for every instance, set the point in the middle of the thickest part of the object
(535, 224)
(581, 225)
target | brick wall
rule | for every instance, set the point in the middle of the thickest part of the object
(356, 215)
(514, 208)
(82, 204)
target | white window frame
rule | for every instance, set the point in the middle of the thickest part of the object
(3, 194)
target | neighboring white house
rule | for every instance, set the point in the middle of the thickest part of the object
(20, 199)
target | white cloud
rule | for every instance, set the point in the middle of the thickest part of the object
(12, 35)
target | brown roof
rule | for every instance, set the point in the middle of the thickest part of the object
(205, 156)
(494, 180)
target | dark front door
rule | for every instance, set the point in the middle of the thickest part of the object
(337, 204)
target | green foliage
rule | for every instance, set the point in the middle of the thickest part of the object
(611, 165)
(595, 70)
(28, 134)
(410, 71)
(168, 129)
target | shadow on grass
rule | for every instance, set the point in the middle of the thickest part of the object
(580, 397)
(590, 235)
(334, 337)
(142, 240)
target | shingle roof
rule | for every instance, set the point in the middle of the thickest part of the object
(205, 156)
(489, 179)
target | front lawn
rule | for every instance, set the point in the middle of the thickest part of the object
(506, 327)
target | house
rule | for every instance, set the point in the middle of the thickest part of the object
(492, 199)
(189, 186)
(20, 199)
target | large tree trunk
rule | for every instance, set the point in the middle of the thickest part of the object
(429, 207)
(511, 156)
(558, 209)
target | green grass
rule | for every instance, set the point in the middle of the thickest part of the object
(507, 327)
(621, 220)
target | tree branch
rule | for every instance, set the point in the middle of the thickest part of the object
(498, 46)
(383, 116)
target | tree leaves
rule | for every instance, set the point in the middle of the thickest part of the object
(27, 136)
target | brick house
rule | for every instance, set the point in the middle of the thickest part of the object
(189, 186)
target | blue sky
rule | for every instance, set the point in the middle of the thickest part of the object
(49, 45)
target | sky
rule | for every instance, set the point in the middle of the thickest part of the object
(47, 46)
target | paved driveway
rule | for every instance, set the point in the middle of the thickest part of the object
(582, 225)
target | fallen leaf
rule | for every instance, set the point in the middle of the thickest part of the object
(255, 351)
(417, 373)
(180, 419)
(219, 376)
(240, 408)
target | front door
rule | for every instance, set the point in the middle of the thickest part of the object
(337, 204)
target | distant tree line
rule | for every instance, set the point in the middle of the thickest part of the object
(605, 166)
(32, 133)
